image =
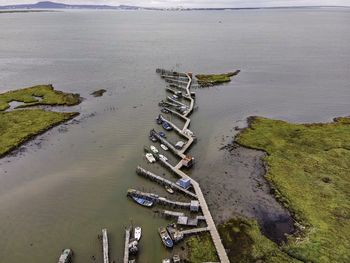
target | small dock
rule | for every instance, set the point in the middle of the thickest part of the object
(158, 199)
(126, 245)
(105, 246)
(194, 231)
(162, 181)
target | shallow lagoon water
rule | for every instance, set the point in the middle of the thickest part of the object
(66, 186)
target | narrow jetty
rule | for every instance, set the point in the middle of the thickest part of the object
(126, 245)
(194, 231)
(105, 246)
(206, 212)
(158, 199)
(161, 180)
(183, 82)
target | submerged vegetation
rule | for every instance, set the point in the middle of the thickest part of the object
(18, 126)
(215, 79)
(308, 169)
(201, 249)
(245, 243)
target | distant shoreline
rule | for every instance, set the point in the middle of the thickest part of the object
(52, 6)
(4, 11)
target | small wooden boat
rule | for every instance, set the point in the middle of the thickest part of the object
(133, 249)
(137, 233)
(142, 201)
(162, 134)
(150, 157)
(166, 126)
(154, 149)
(153, 138)
(166, 239)
(169, 189)
(164, 158)
(164, 147)
(66, 256)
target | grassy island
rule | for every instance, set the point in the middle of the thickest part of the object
(308, 167)
(19, 125)
(215, 79)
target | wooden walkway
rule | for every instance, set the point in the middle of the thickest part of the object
(194, 231)
(161, 180)
(105, 246)
(158, 199)
(126, 245)
(204, 207)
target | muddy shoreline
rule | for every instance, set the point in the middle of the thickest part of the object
(237, 187)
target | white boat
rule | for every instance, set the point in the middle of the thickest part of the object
(154, 149)
(164, 147)
(150, 157)
(137, 233)
(66, 256)
(166, 260)
(169, 189)
(161, 156)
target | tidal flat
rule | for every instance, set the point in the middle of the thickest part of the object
(308, 169)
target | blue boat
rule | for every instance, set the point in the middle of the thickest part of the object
(166, 239)
(159, 120)
(142, 201)
(162, 134)
(166, 126)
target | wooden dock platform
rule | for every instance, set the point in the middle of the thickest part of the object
(105, 246)
(194, 231)
(206, 212)
(158, 199)
(126, 245)
(161, 180)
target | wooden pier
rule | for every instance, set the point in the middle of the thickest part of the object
(105, 246)
(126, 245)
(161, 180)
(206, 212)
(194, 231)
(158, 199)
(182, 81)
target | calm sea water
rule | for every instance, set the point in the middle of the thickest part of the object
(68, 185)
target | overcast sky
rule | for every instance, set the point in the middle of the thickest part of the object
(195, 3)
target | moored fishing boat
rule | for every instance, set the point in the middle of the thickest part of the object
(166, 239)
(137, 233)
(169, 189)
(66, 256)
(154, 149)
(162, 134)
(142, 201)
(150, 157)
(164, 147)
(162, 157)
(166, 126)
